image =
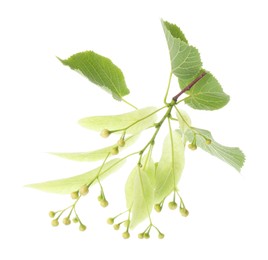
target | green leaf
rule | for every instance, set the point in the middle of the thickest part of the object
(68, 185)
(140, 196)
(99, 70)
(231, 155)
(95, 155)
(175, 31)
(137, 121)
(170, 166)
(207, 94)
(185, 59)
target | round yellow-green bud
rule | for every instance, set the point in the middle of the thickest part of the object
(66, 221)
(105, 133)
(121, 142)
(192, 146)
(51, 214)
(74, 195)
(104, 203)
(75, 220)
(146, 235)
(55, 222)
(82, 227)
(110, 221)
(172, 205)
(161, 235)
(126, 235)
(141, 235)
(184, 212)
(157, 207)
(116, 227)
(115, 150)
(208, 141)
(83, 190)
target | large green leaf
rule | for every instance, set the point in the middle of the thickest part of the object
(185, 59)
(68, 185)
(207, 94)
(170, 166)
(231, 155)
(137, 121)
(99, 70)
(95, 155)
(139, 195)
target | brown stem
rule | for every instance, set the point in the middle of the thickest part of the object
(175, 98)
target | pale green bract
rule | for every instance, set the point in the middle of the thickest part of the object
(170, 166)
(68, 185)
(207, 94)
(139, 195)
(99, 70)
(133, 122)
(139, 190)
(185, 59)
(231, 155)
(95, 155)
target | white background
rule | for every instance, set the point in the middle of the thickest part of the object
(41, 101)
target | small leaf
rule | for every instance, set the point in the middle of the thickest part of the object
(137, 121)
(141, 197)
(99, 70)
(185, 59)
(231, 155)
(207, 94)
(68, 185)
(170, 166)
(95, 155)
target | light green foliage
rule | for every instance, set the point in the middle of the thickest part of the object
(100, 71)
(68, 185)
(185, 59)
(207, 94)
(231, 155)
(170, 166)
(133, 122)
(149, 183)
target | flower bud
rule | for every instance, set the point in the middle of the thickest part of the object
(157, 207)
(184, 212)
(74, 195)
(55, 222)
(51, 214)
(82, 227)
(141, 235)
(75, 220)
(121, 142)
(126, 235)
(110, 221)
(104, 203)
(105, 133)
(208, 141)
(115, 150)
(172, 205)
(146, 235)
(161, 235)
(66, 221)
(116, 227)
(192, 146)
(84, 190)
